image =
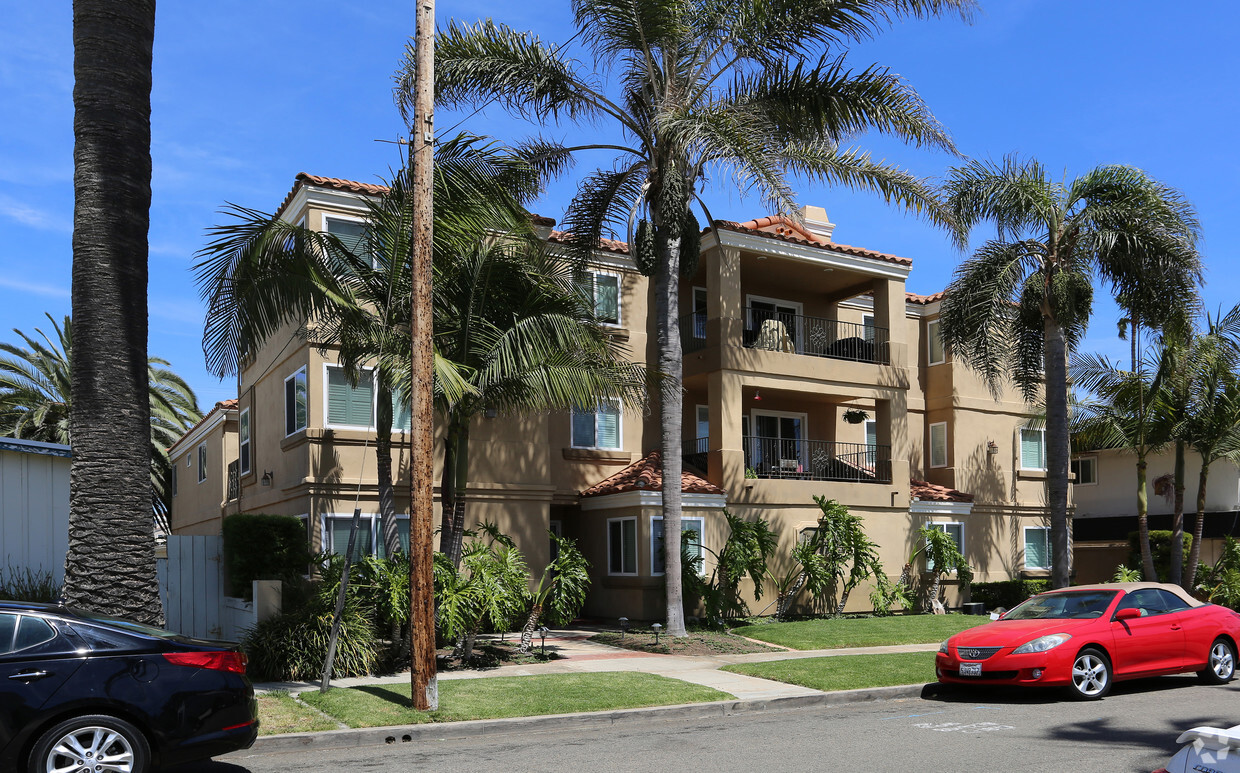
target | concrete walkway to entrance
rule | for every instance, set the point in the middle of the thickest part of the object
(576, 654)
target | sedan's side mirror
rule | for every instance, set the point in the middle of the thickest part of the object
(1127, 613)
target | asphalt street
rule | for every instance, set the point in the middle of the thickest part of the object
(1132, 730)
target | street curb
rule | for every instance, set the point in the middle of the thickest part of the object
(442, 731)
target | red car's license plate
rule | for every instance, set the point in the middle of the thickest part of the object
(970, 669)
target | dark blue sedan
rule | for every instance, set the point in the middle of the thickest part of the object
(84, 693)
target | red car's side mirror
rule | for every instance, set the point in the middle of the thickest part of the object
(1127, 613)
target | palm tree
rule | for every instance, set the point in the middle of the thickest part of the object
(760, 89)
(35, 397)
(1125, 411)
(1017, 308)
(110, 564)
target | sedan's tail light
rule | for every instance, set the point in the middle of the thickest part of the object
(216, 661)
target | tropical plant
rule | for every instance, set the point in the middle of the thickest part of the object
(36, 395)
(1221, 583)
(745, 553)
(1017, 308)
(942, 557)
(292, 646)
(1124, 574)
(488, 587)
(561, 591)
(759, 90)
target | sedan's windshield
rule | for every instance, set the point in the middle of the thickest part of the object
(1069, 605)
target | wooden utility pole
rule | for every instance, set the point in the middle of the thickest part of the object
(425, 685)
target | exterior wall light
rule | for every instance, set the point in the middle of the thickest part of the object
(267, 478)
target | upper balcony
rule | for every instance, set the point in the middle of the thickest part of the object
(784, 331)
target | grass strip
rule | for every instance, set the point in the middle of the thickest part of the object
(511, 696)
(279, 712)
(861, 631)
(845, 672)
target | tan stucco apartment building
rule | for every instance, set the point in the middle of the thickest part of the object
(786, 335)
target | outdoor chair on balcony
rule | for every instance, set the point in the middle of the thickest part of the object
(773, 336)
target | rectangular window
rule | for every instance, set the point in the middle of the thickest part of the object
(1032, 449)
(353, 234)
(402, 532)
(867, 326)
(202, 462)
(1037, 547)
(956, 530)
(603, 289)
(348, 405)
(402, 416)
(699, 312)
(243, 433)
(1085, 469)
(938, 444)
(622, 546)
(295, 408)
(338, 527)
(687, 526)
(934, 343)
(599, 428)
(871, 442)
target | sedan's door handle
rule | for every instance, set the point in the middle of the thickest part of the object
(1176, 627)
(30, 676)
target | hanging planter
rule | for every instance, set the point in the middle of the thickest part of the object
(855, 416)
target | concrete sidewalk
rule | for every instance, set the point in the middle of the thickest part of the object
(576, 654)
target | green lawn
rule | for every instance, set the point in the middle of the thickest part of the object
(279, 713)
(862, 631)
(512, 696)
(846, 672)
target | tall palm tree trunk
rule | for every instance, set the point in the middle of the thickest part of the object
(671, 410)
(110, 565)
(455, 480)
(1143, 520)
(383, 468)
(1055, 356)
(1194, 554)
(447, 487)
(1177, 518)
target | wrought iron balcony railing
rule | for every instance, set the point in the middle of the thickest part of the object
(814, 336)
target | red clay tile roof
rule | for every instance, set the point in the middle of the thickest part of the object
(647, 475)
(787, 230)
(925, 299)
(607, 245)
(929, 492)
(368, 189)
(222, 405)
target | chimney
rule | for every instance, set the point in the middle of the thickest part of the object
(816, 222)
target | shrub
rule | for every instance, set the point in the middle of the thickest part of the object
(1006, 593)
(1160, 547)
(1221, 583)
(263, 547)
(293, 646)
(28, 585)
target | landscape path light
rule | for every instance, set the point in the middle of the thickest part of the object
(657, 628)
(624, 626)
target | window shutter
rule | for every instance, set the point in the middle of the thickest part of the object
(583, 428)
(608, 427)
(1036, 553)
(607, 297)
(352, 235)
(340, 536)
(1031, 454)
(402, 416)
(349, 405)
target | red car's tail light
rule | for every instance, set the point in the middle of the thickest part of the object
(216, 661)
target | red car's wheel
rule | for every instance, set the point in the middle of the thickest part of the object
(1091, 675)
(1221, 666)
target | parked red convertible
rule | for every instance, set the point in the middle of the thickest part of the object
(1087, 637)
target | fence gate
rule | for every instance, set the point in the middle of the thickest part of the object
(191, 585)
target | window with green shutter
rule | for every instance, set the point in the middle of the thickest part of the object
(353, 234)
(402, 417)
(1032, 449)
(363, 544)
(603, 290)
(1037, 547)
(599, 428)
(348, 405)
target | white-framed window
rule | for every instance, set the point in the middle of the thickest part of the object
(603, 288)
(1037, 547)
(243, 435)
(622, 546)
(296, 409)
(867, 327)
(871, 441)
(335, 530)
(353, 232)
(934, 343)
(701, 428)
(173, 482)
(348, 405)
(938, 444)
(599, 428)
(1032, 448)
(780, 445)
(955, 529)
(687, 526)
(1085, 468)
(202, 462)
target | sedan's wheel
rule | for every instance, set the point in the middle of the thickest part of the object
(95, 743)
(1091, 674)
(1221, 666)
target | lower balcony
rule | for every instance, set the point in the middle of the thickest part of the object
(815, 460)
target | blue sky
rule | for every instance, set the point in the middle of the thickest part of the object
(246, 95)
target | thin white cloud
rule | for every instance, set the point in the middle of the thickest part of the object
(54, 291)
(25, 214)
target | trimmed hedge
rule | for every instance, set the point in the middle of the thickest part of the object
(1160, 547)
(1006, 593)
(263, 547)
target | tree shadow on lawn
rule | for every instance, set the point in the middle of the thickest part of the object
(1028, 696)
(387, 694)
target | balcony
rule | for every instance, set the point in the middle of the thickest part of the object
(234, 479)
(779, 331)
(769, 457)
